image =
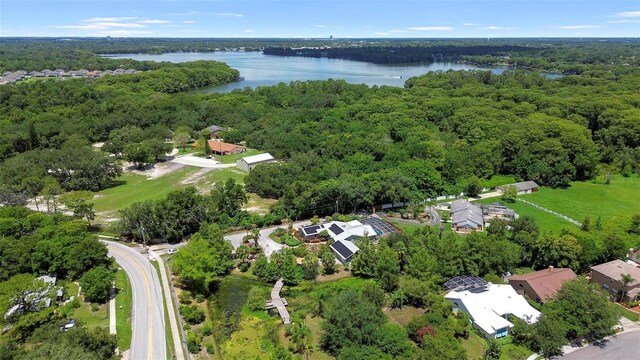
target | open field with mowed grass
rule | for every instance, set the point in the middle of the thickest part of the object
(546, 222)
(135, 188)
(619, 198)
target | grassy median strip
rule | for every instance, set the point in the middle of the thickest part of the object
(167, 326)
(124, 303)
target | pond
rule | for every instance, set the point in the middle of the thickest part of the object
(258, 69)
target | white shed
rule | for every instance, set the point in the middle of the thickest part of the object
(249, 162)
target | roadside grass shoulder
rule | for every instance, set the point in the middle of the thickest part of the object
(407, 228)
(124, 302)
(167, 327)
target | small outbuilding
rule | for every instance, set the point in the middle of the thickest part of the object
(250, 162)
(214, 131)
(525, 187)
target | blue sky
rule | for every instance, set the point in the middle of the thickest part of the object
(312, 18)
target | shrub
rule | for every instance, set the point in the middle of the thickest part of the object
(185, 297)
(210, 348)
(244, 266)
(300, 251)
(192, 314)
(200, 298)
(193, 342)
(256, 299)
(206, 329)
(95, 307)
(96, 284)
(291, 241)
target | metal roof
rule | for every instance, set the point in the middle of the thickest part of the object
(464, 282)
(341, 249)
(258, 158)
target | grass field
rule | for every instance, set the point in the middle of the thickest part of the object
(474, 346)
(92, 319)
(136, 188)
(407, 228)
(546, 222)
(124, 301)
(619, 198)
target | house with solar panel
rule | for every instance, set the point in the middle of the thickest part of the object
(488, 305)
(345, 234)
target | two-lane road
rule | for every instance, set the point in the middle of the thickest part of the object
(148, 340)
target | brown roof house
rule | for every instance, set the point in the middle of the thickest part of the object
(609, 276)
(224, 148)
(542, 285)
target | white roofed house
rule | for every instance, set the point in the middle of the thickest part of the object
(249, 162)
(489, 306)
(345, 234)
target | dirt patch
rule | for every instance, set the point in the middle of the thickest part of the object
(340, 274)
(154, 171)
(403, 316)
(195, 177)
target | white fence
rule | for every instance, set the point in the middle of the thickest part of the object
(551, 212)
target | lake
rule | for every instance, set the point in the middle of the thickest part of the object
(258, 69)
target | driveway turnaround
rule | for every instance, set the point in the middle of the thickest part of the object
(625, 346)
(148, 340)
(201, 162)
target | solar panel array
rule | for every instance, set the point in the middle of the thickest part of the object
(379, 225)
(341, 249)
(311, 230)
(336, 229)
(464, 282)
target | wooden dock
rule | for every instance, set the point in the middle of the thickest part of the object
(279, 303)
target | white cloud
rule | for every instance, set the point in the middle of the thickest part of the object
(153, 21)
(321, 26)
(623, 21)
(431, 28)
(248, 31)
(109, 19)
(188, 22)
(398, 31)
(576, 27)
(124, 33)
(628, 14)
(118, 24)
(468, 24)
(381, 33)
(494, 28)
(80, 27)
(224, 14)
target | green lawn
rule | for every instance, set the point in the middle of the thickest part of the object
(407, 228)
(475, 346)
(620, 198)
(136, 188)
(124, 301)
(92, 319)
(546, 222)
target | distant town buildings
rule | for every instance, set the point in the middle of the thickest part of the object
(9, 77)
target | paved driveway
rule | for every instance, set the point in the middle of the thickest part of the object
(625, 346)
(201, 162)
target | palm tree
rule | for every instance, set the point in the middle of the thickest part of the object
(255, 234)
(300, 338)
(626, 280)
(398, 299)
